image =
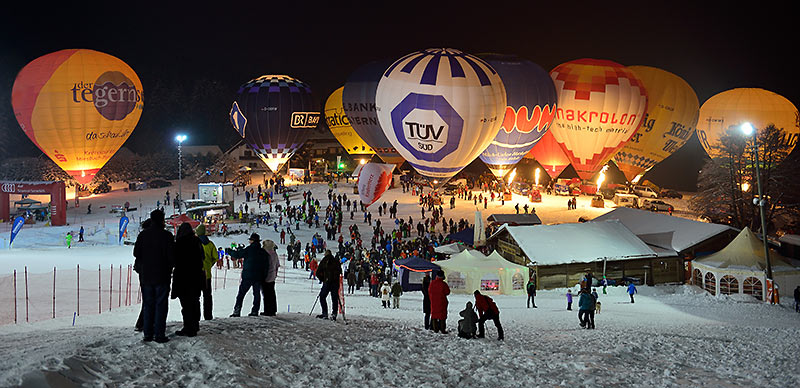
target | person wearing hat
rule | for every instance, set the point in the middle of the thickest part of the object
(438, 292)
(210, 257)
(154, 249)
(188, 278)
(385, 292)
(254, 270)
(268, 285)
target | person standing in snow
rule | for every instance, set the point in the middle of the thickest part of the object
(254, 270)
(328, 273)
(211, 256)
(487, 310)
(385, 292)
(154, 262)
(466, 325)
(397, 290)
(268, 285)
(69, 240)
(631, 290)
(569, 300)
(426, 300)
(531, 289)
(189, 278)
(586, 308)
(438, 292)
(80, 234)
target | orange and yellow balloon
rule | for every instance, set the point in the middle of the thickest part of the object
(339, 124)
(78, 106)
(732, 108)
(668, 123)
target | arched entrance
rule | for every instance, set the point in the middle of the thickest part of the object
(728, 285)
(710, 283)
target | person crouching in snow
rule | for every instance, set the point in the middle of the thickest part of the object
(466, 325)
(487, 310)
(385, 293)
(397, 290)
(569, 300)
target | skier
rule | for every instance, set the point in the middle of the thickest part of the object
(531, 288)
(466, 325)
(385, 293)
(631, 290)
(569, 300)
(487, 310)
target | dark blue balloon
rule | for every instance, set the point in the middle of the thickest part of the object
(274, 113)
(532, 98)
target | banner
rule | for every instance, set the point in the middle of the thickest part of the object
(123, 225)
(15, 228)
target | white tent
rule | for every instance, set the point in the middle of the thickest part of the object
(739, 268)
(470, 270)
(450, 249)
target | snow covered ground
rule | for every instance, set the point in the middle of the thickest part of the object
(671, 336)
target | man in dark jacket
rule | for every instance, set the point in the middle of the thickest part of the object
(487, 310)
(328, 273)
(254, 270)
(189, 278)
(426, 300)
(531, 288)
(154, 262)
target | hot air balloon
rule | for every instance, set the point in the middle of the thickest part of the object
(274, 113)
(668, 123)
(600, 106)
(531, 99)
(339, 124)
(373, 180)
(78, 106)
(549, 155)
(358, 101)
(440, 108)
(734, 107)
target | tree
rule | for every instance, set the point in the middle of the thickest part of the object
(727, 184)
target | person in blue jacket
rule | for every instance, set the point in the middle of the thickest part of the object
(631, 290)
(586, 306)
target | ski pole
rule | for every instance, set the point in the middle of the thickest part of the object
(315, 305)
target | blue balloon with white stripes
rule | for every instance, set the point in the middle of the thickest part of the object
(440, 108)
(531, 108)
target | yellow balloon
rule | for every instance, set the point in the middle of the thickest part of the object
(735, 107)
(340, 126)
(78, 106)
(669, 121)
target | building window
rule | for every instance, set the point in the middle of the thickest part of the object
(697, 279)
(711, 283)
(752, 286)
(490, 282)
(728, 285)
(518, 281)
(456, 280)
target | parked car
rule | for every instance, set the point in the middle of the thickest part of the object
(608, 193)
(623, 190)
(626, 200)
(101, 188)
(667, 193)
(656, 205)
(560, 189)
(520, 188)
(138, 185)
(159, 183)
(644, 191)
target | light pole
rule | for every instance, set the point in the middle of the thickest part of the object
(748, 129)
(180, 139)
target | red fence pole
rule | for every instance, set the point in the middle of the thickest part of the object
(78, 288)
(15, 296)
(27, 317)
(54, 292)
(119, 297)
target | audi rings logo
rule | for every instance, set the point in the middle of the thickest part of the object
(8, 187)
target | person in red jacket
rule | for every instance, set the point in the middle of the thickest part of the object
(438, 291)
(487, 310)
(313, 267)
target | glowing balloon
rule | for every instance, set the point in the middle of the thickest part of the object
(440, 108)
(339, 124)
(549, 155)
(273, 113)
(78, 106)
(668, 123)
(600, 106)
(531, 99)
(734, 107)
(373, 180)
(358, 101)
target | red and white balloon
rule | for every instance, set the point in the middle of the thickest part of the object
(373, 180)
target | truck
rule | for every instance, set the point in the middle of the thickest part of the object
(626, 200)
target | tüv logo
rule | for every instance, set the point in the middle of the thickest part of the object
(427, 126)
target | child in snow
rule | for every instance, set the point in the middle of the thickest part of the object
(385, 292)
(569, 300)
(466, 325)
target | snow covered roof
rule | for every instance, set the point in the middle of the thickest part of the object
(686, 233)
(515, 219)
(578, 243)
(791, 239)
(746, 251)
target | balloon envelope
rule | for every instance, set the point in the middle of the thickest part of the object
(373, 180)
(734, 107)
(358, 101)
(339, 124)
(669, 121)
(531, 108)
(440, 108)
(78, 106)
(549, 155)
(600, 106)
(274, 113)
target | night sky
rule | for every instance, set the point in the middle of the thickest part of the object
(191, 60)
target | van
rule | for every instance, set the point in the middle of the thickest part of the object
(626, 200)
(644, 191)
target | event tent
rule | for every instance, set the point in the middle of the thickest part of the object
(410, 272)
(470, 270)
(467, 236)
(740, 267)
(450, 249)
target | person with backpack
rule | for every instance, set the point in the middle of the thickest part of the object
(531, 289)
(467, 323)
(487, 310)
(328, 273)
(397, 290)
(385, 293)
(631, 290)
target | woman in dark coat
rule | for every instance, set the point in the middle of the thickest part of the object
(426, 300)
(188, 278)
